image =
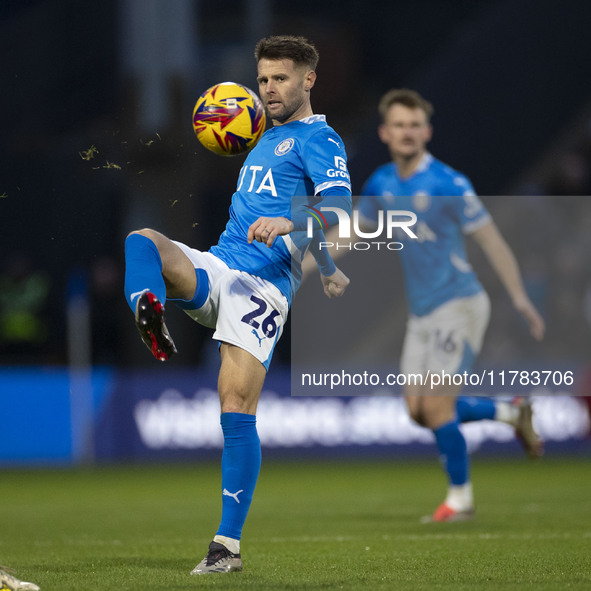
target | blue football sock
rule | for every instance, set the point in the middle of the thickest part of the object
(241, 462)
(475, 408)
(143, 269)
(453, 452)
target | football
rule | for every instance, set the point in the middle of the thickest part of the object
(229, 119)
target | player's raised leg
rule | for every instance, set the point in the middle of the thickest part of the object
(156, 268)
(517, 412)
(240, 382)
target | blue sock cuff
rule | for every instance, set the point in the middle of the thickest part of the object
(202, 290)
(230, 420)
(239, 428)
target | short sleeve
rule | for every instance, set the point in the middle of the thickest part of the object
(325, 161)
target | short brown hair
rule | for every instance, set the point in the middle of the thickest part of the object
(279, 47)
(406, 97)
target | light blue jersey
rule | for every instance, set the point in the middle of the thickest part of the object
(435, 265)
(305, 157)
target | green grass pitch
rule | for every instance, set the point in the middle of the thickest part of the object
(316, 525)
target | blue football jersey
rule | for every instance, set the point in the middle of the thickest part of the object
(305, 157)
(435, 265)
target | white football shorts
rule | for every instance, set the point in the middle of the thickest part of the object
(244, 309)
(447, 339)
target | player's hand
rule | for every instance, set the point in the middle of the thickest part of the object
(335, 284)
(537, 326)
(267, 229)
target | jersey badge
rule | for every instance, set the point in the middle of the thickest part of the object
(284, 147)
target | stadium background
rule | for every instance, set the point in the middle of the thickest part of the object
(509, 81)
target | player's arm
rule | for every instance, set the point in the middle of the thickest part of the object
(339, 197)
(503, 261)
(334, 281)
(320, 244)
(367, 211)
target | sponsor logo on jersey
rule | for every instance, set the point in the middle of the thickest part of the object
(284, 147)
(340, 169)
(266, 184)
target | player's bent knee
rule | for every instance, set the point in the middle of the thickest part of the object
(237, 402)
(238, 397)
(414, 404)
(416, 414)
(147, 232)
(434, 416)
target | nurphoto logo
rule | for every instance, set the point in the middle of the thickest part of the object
(392, 222)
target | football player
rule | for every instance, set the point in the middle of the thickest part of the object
(242, 287)
(449, 309)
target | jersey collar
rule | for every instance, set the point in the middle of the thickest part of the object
(313, 119)
(425, 162)
(422, 166)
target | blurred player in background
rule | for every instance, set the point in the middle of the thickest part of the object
(8, 581)
(449, 309)
(242, 287)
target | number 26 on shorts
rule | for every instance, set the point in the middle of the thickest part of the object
(267, 324)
